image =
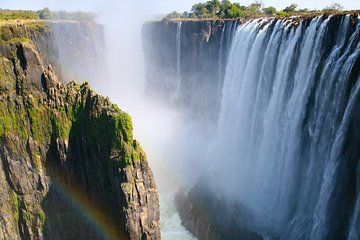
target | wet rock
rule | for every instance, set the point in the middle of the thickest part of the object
(210, 217)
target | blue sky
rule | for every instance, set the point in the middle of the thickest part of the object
(155, 6)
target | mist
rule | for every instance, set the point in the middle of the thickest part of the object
(169, 138)
(160, 128)
(171, 142)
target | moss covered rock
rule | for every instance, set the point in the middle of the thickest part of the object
(70, 168)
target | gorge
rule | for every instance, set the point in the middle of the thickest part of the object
(250, 128)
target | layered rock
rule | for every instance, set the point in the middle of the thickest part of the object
(70, 168)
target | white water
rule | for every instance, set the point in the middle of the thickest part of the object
(220, 63)
(178, 59)
(283, 125)
(171, 228)
(355, 221)
(227, 32)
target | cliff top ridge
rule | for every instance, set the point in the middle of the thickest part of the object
(299, 16)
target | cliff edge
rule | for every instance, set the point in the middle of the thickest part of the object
(69, 166)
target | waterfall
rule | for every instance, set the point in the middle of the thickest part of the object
(178, 59)
(355, 222)
(290, 97)
(226, 36)
(220, 63)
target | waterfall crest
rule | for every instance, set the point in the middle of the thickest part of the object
(287, 126)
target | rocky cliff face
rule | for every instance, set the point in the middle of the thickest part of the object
(69, 166)
(185, 63)
(76, 50)
(81, 50)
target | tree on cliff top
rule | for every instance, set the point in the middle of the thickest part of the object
(217, 9)
(269, 10)
(291, 8)
(45, 14)
(225, 9)
(334, 7)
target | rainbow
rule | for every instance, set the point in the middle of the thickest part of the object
(94, 215)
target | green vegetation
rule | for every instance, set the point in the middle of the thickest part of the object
(17, 14)
(14, 201)
(45, 14)
(215, 9)
(38, 26)
(269, 10)
(42, 217)
(12, 33)
(6, 34)
(19, 40)
(10, 122)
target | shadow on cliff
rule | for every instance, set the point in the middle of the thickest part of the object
(84, 197)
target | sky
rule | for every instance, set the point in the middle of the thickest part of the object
(155, 6)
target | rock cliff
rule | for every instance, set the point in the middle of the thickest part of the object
(185, 63)
(69, 166)
(76, 50)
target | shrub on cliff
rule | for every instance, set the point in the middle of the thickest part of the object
(17, 14)
(291, 8)
(6, 34)
(45, 14)
(269, 10)
(174, 15)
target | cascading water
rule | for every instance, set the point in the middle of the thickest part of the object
(226, 36)
(290, 100)
(355, 222)
(220, 64)
(178, 59)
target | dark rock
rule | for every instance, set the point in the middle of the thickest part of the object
(49, 78)
(210, 217)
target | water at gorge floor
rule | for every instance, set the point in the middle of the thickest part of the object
(171, 228)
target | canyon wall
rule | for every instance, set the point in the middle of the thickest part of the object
(185, 63)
